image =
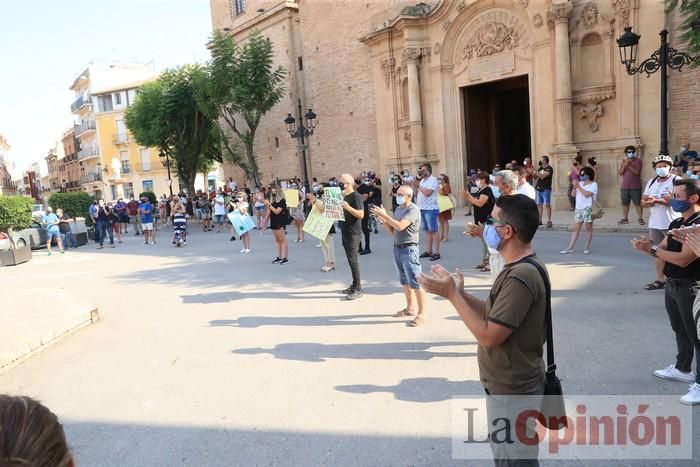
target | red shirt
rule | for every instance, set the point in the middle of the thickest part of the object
(133, 207)
(631, 181)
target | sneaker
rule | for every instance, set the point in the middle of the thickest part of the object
(435, 257)
(673, 373)
(354, 295)
(233, 238)
(284, 261)
(247, 250)
(63, 251)
(693, 396)
(318, 246)
(49, 254)
(366, 252)
(99, 247)
(276, 260)
(347, 291)
(145, 243)
(111, 245)
(426, 254)
(242, 251)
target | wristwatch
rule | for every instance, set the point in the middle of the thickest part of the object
(652, 250)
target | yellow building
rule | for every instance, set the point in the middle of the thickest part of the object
(112, 164)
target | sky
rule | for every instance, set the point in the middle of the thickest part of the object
(46, 44)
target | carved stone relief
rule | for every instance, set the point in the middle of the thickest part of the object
(491, 33)
(559, 13)
(388, 65)
(446, 25)
(524, 3)
(591, 112)
(623, 8)
(461, 6)
(537, 20)
(407, 138)
(437, 48)
(589, 15)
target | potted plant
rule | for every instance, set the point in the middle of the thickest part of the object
(15, 214)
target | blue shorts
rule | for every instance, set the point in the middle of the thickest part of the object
(220, 218)
(429, 219)
(544, 197)
(53, 233)
(408, 265)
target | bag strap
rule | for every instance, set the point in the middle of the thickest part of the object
(551, 366)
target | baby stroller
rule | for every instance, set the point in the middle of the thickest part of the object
(180, 230)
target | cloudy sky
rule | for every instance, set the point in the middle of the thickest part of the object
(46, 44)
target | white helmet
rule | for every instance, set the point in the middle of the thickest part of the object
(662, 158)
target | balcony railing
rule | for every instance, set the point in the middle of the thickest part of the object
(73, 184)
(70, 158)
(120, 138)
(87, 153)
(90, 177)
(80, 103)
(83, 127)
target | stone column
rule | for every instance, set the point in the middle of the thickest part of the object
(415, 116)
(560, 12)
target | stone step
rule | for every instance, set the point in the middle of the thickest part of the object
(33, 321)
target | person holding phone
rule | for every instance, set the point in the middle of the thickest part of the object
(656, 197)
(277, 207)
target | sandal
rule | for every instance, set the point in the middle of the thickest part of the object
(656, 285)
(482, 265)
(486, 268)
(641, 222)
(623, 221)
(417, 321)
(549, 224)
(402, 313)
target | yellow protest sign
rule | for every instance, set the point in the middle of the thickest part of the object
(292, 197)
(317, 225)
(444, 203)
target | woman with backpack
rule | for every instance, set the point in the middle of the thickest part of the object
(279, 218)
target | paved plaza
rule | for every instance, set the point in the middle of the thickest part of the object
(206, 357)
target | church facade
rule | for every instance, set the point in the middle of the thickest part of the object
(464, 84)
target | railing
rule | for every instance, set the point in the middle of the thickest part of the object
(146, 167)
(83, 127)
(88, 152)
(90, 177)
(120, 138)
(73, 184)
(70, 158)
(80, 103)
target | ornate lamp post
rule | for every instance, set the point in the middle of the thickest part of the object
(166, 164)
(661, 59)
(305, 128)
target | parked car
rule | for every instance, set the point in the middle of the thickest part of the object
(38, 212)
(35, 236)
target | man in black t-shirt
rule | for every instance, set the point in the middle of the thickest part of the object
(351, 230)
(682, 271)
(366, 191)
(543, 187)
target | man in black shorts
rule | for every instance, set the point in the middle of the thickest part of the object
(351, 229)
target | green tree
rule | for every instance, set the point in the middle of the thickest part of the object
(689, 11)
(15, 214)
(73, 204)
(167, 115)
(244, 85)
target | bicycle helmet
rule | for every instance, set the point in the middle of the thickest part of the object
(662, 158)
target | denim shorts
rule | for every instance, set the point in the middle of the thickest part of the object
(544, 197)
(429, 219)
(407, 265)
(220, 218)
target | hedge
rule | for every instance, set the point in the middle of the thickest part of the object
(150, 195)
(15, 212)
(73, 204)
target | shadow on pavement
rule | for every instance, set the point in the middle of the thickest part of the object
(293, 294)
(315, 352)
(260, 321)
(420, 389)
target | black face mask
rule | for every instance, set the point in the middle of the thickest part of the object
(341, 185)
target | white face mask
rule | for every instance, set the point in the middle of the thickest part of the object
(683, 148)
(663, 172)
(400, 200)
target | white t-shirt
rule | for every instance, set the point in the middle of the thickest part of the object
(428, 202)
(527, 190)
(582, 201)
(660, 216)
(219, 209)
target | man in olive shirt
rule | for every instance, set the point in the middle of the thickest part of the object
(405, 227)
(509, 326)
(351, 230)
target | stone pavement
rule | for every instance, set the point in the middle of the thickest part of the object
(206, 357)
(33, 320)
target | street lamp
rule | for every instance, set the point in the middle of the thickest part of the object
(306, 128)
(166, 164)
(661, 59)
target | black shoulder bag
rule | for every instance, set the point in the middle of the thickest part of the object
(553, 407)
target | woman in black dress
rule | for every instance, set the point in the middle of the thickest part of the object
(279, 215)
(482, 202)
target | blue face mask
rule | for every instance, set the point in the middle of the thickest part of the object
(400, 200)
(679, 205)
(583, 178)
(491, 237)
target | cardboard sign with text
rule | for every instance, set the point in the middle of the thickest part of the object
(332, 200)
(241, 222)
(317, 225)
